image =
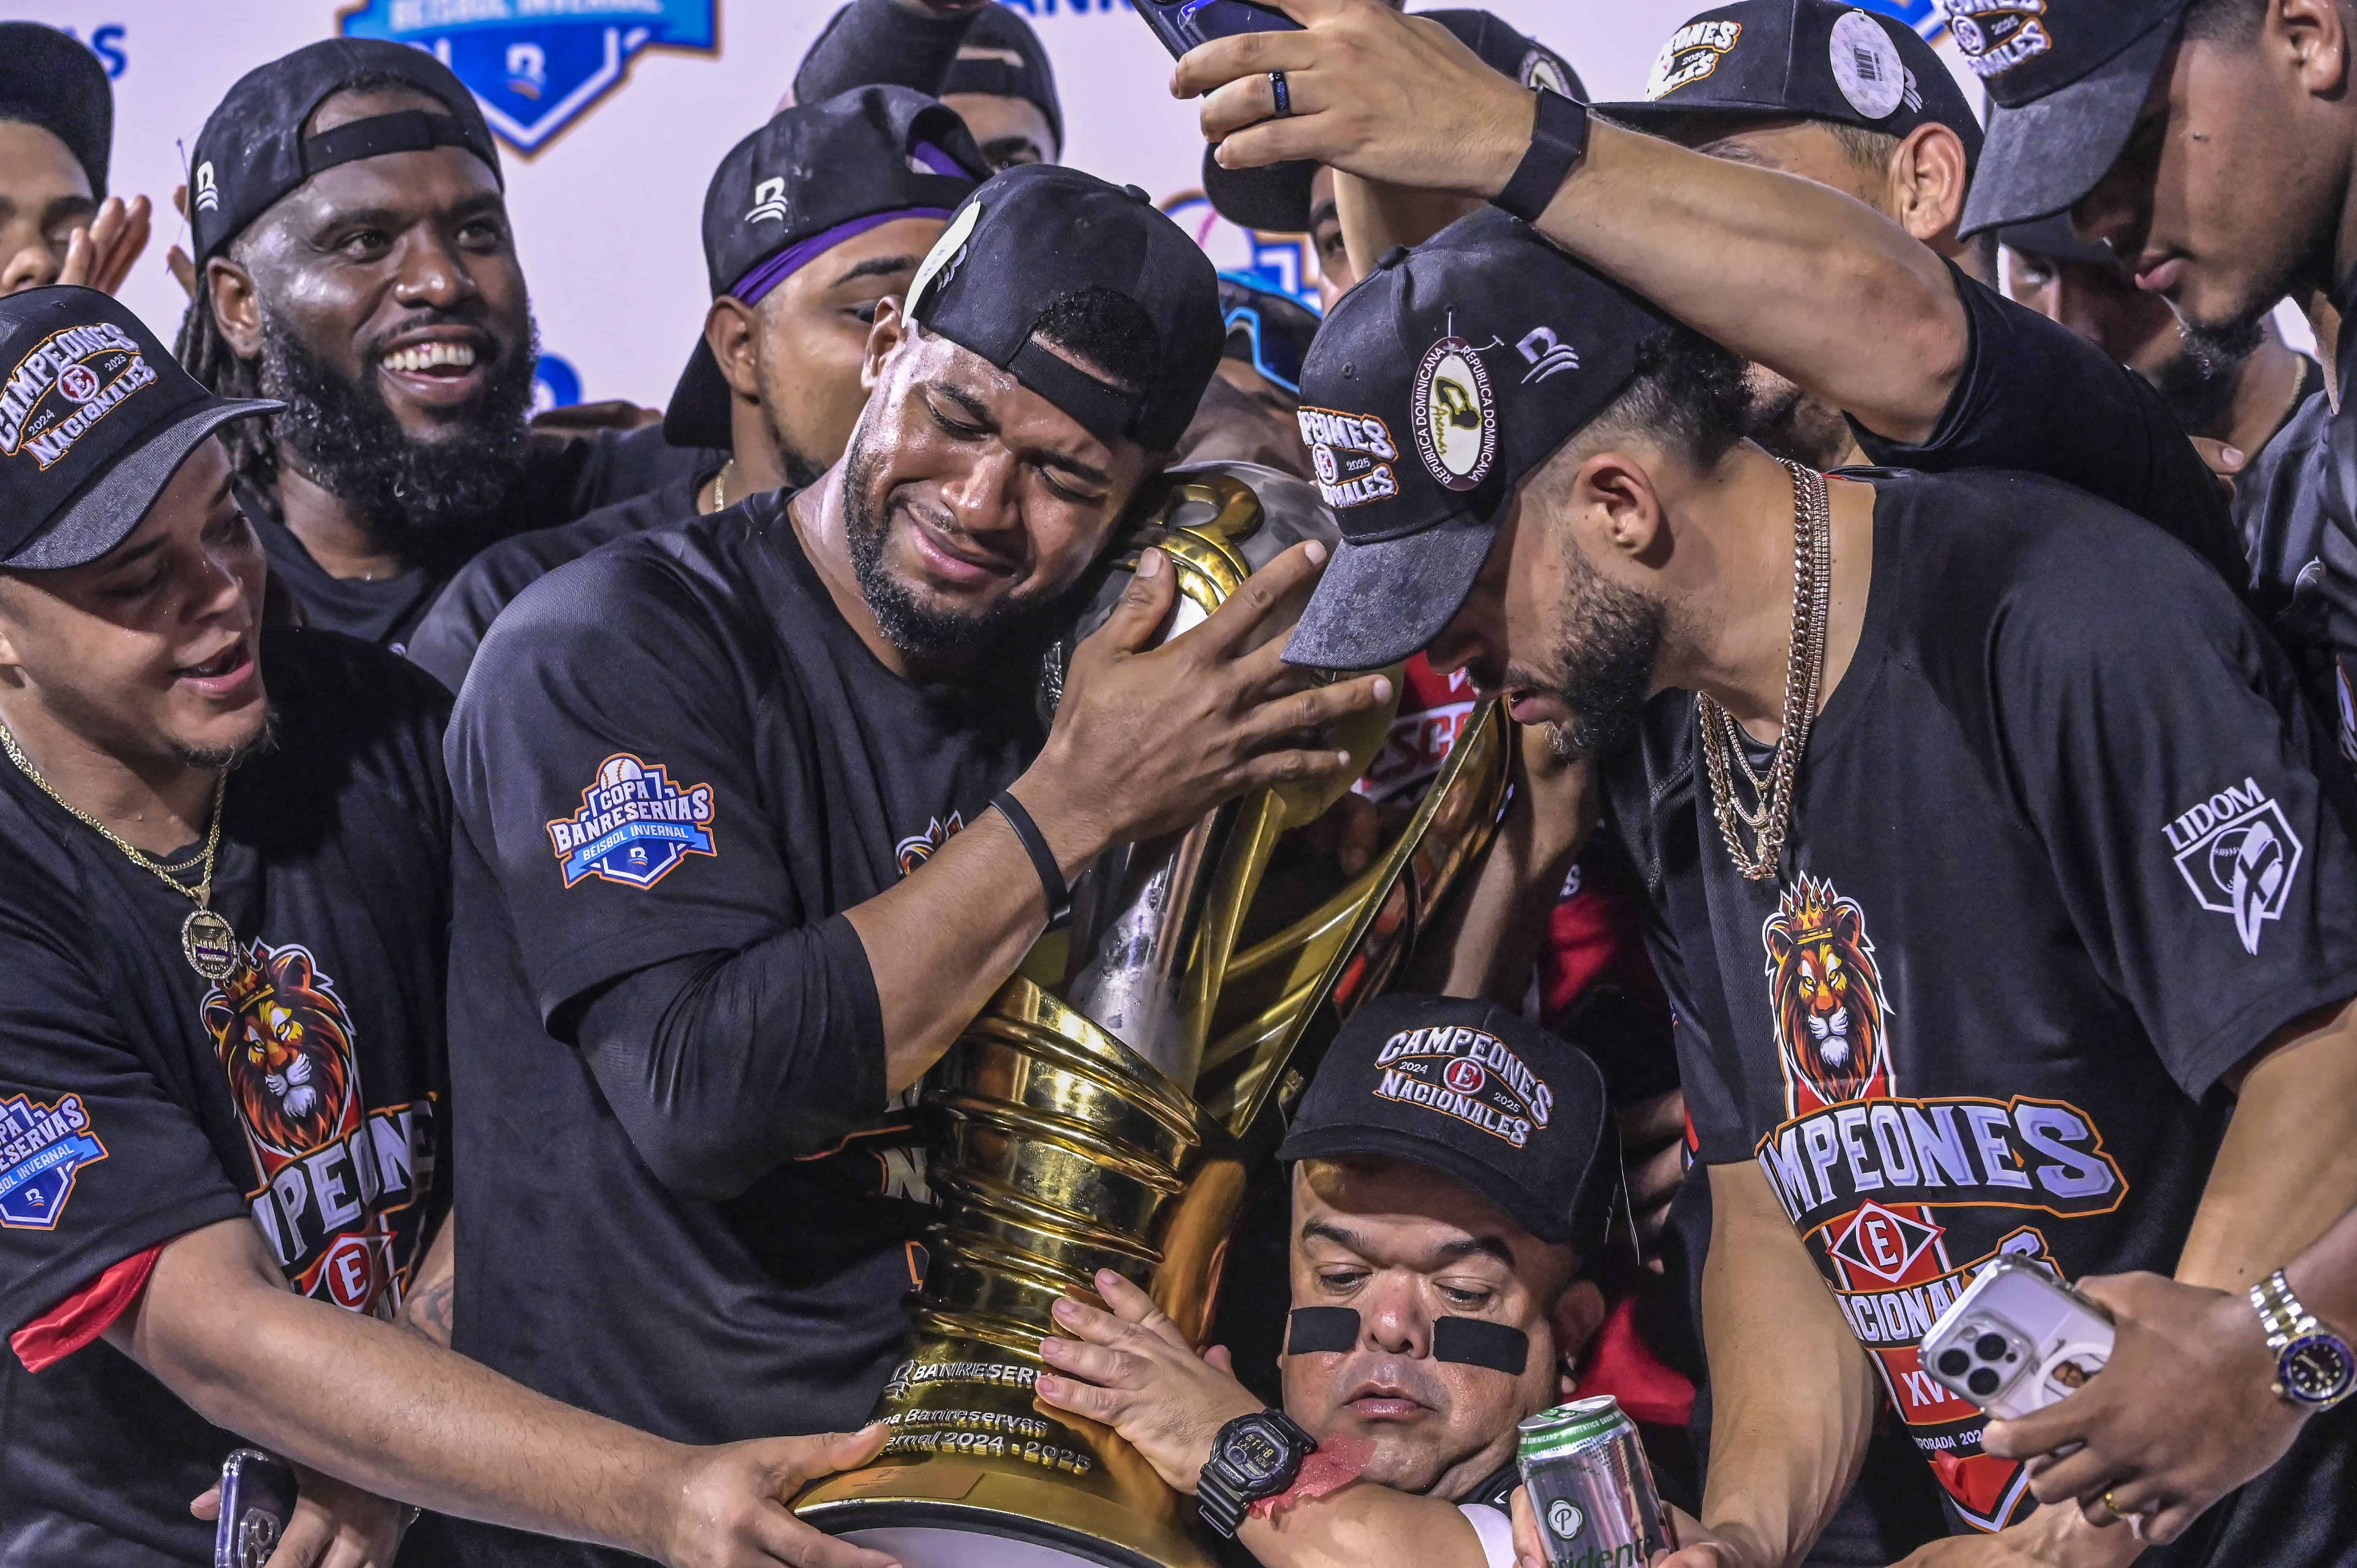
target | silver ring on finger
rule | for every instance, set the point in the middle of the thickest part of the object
(1283, 94)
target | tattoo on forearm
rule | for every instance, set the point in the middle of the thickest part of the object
(432, 1310)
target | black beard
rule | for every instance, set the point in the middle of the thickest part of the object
(413, 495)
(1603, 668)
(221, 758)
(799, 472)
(923, 633)
(2199, 393)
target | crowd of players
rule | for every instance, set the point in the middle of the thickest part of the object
(464, 1032)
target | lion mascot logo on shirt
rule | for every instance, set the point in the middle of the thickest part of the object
(285, 1044)
(1828, 998)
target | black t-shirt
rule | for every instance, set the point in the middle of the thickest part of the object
(140, 1101)
(2067, 847)
(562, 480)
(445, 640)
(2035, 396)
(676, 748)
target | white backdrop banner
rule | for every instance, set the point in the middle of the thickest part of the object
(612, 115)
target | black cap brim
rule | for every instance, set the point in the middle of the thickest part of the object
(1275, 197)
(117, 500)
(698, 413)
(2040, 158)
(1512, 1198)
(1381, 601)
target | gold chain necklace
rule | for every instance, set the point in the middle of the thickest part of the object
(207, 939)
(1804, 670)
(720, 486)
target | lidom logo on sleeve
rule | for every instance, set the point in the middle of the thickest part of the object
(634, 824)
(2238, 854)
(41, 1147)
(536, 66)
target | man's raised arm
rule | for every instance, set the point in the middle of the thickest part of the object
(1810, 282)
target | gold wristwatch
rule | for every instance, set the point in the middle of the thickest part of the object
(2314, 1368)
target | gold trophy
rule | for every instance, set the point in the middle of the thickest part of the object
(1107, 1120)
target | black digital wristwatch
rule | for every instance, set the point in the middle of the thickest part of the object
(1253, 1457)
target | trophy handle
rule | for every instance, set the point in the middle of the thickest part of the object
(1302, 981)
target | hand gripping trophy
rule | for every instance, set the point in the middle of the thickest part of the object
(1104, 1109)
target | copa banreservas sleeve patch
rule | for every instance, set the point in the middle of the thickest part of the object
(634, 826)
(41, 1148)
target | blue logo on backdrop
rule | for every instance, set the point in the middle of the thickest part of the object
(555, 384)
(105, 41)
(41, 1146)
(536, 66)
(1927, 17)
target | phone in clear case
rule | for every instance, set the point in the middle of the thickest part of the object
(257, 1498)
(2016, 1340)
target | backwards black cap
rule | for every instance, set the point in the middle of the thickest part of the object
(2066, 81)
(814, 177)
(1815, 60)
(1485, 1098)
(253, 150)
(1276, 196)
(95, 418)
(1434, 388)
(1003, 56)
(1028, 237)
(49, 79)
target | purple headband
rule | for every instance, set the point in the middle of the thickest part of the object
(777, 269)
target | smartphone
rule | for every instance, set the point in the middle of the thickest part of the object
(1183, 24)
(2016, 1340)
(257, 1498)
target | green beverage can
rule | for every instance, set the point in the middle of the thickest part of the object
(1590, 1488)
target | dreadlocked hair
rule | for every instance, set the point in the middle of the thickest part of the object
(205, 354)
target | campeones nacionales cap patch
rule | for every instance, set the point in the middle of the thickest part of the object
(1467, 1073)
(64, 384)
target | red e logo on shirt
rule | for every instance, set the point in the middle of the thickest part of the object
(354, 1270)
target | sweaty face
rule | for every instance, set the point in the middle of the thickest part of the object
(44, 197)
(814, 340)
(2224, 198)
(1405, 1247)
(1011, 130)
(1568, 647)
(392, 318)
(150, 651)
(971, 502)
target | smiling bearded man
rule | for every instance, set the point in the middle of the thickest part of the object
(358, 266)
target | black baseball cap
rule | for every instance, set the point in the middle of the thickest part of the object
(49, 79)
(1003, 56)
(1435, 386)
(253, 151)
(1275, 197)
(1032, 235)
(1811, 59)
(2054, 236)
(1266, 329)
(1478, 1094)
(95, 418)
(2065, 82)
(814, 177)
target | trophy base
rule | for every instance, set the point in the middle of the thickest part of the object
(931, 1546)
(940, 1513)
